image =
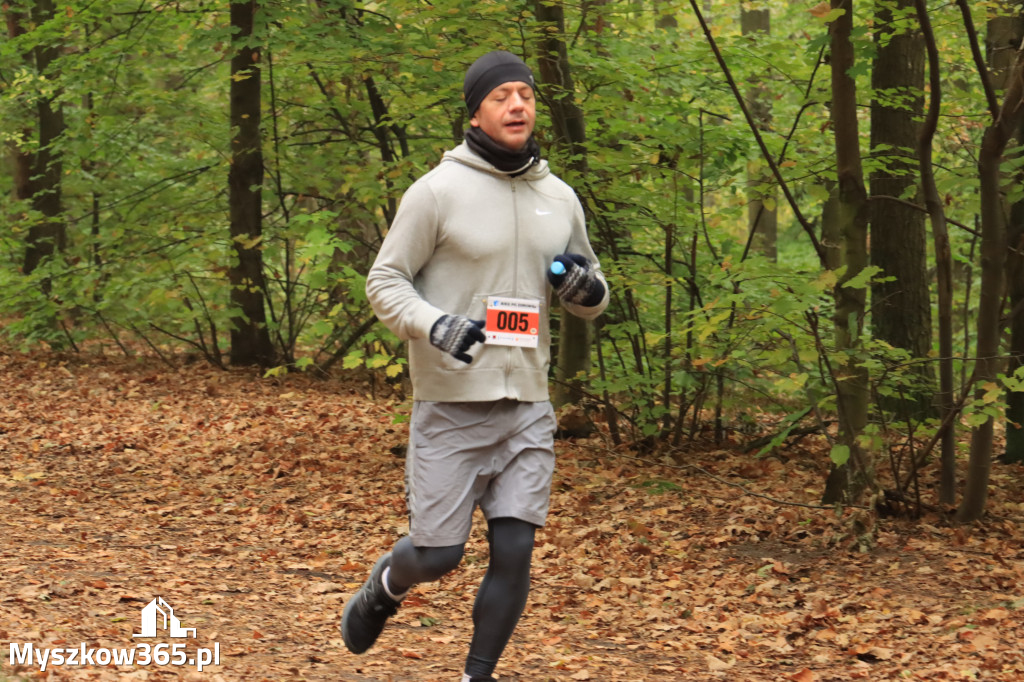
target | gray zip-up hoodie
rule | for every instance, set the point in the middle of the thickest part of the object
(463, 232)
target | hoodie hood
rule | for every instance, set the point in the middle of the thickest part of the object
(467, 157)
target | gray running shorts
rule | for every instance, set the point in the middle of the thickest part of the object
(498, 455)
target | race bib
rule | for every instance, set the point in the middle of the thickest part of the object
(512, 322)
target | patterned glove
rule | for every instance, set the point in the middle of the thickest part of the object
(454, 334)
(578, 283)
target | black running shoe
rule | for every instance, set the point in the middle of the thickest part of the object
(368, 610)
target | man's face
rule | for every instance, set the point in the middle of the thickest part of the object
(507, 115)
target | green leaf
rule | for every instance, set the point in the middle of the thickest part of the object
(863, 278)
(840, 454)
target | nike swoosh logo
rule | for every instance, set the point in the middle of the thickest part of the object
(540, 212)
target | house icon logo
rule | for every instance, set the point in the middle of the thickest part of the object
(151, 615)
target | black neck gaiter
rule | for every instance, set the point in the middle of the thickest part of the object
(501, 158)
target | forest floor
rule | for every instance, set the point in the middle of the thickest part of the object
(254, 507)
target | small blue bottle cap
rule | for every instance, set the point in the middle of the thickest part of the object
(557, 268)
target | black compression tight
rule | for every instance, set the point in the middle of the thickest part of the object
(412, 565)
(502, 595)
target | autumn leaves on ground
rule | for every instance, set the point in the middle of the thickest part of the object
(254, 507)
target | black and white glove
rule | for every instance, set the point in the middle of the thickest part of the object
(575, 281)
(455, 334)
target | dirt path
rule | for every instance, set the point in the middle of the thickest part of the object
(255, 507)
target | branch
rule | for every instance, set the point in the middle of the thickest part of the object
(979, 59)
(808, 228)
(356, 334)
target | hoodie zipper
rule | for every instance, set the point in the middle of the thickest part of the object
(513, 182)
(515, 243)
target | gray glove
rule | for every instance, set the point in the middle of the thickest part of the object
(455, 334)
(575, 281)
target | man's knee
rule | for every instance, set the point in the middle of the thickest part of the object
(441, 560)
(424, 564)
(511, 539)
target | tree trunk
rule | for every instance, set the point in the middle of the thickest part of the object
(21, 161)
(575, 336)
(49, 236)
(250, 338)
(993, 261)
(1004, 35)
(943, 261)
(762, 215)
(849, 479)
(901, 307)
(831, 236)
(1014, 452)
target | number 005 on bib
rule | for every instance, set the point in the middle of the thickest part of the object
(512, 322)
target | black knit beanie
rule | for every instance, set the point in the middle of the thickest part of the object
(490, 71)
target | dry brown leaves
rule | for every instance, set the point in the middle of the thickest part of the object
(255, 507)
